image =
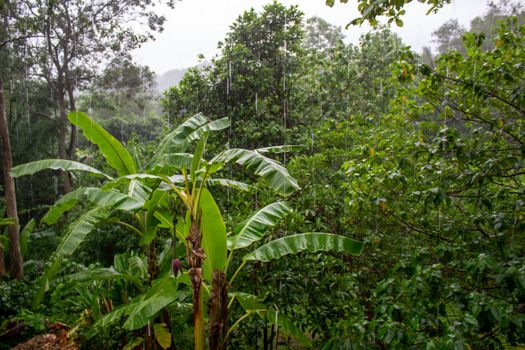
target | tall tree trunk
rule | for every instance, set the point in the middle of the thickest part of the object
(62, 128)
(72, 107)
(16, 267)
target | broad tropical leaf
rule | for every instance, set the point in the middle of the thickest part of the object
(197, 158)
(274, 173)
(24, 235)
(175, 141)
(115, 153)
(154, 203)
(111, 318)
(214, 125)
(133, 343)
(279, 149)
(238, 185)
(102, 274)
(79, 230)
(255, 227)
(54, 164)
(162, 334)
(127, 178)
(312, 242)
(161, 295)
(213, 234)
(178, 160)
(69, 243)
(65, 203)
(113, 199)
(138, 190)
(93, 195)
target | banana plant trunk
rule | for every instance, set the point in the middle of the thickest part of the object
(196, 257)
(218, 307)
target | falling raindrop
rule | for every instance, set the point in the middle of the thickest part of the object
(229, 79)
(285, 101)
(55, 185)
(169, 108)
(90, 105)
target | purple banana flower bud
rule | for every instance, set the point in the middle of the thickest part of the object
(176, 266)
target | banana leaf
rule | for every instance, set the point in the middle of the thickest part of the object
(256, 226)
(311, 242)
(53, 164)
(115, 153)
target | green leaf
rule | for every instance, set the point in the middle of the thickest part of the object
(111, 318)
(280, 149)
(229, 183)
(154, 203)
(213, 234)
(275, 174)
(115, 153)
(248, 302)
(24, 235)
(93, 195)
(102, 274)
(113, 199)
(256, 226)
(161, 295)
(196, 160)
(162, 334)
(312, 242)
(54, 164)
(214, 125)
(128, 178)
(133, 343)
(69, 243)
(138, 190)
(175, 141)
(67, 202)
(178, 160)
(79, 230)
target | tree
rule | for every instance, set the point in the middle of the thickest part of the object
(122, 99)
(79, 36)
(200, 225)
(253, 81)
(321, 35)
(9, 36)
(448, 37)
(15, 254)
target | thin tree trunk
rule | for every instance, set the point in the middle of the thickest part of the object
(62, 126)
(16, 267)
(72, 107)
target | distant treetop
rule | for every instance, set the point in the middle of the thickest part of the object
(393, 9)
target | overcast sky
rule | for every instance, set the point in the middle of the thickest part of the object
(195, 26)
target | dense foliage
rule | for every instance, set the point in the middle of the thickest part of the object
(319, 150)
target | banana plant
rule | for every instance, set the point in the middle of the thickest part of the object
(143, 191)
